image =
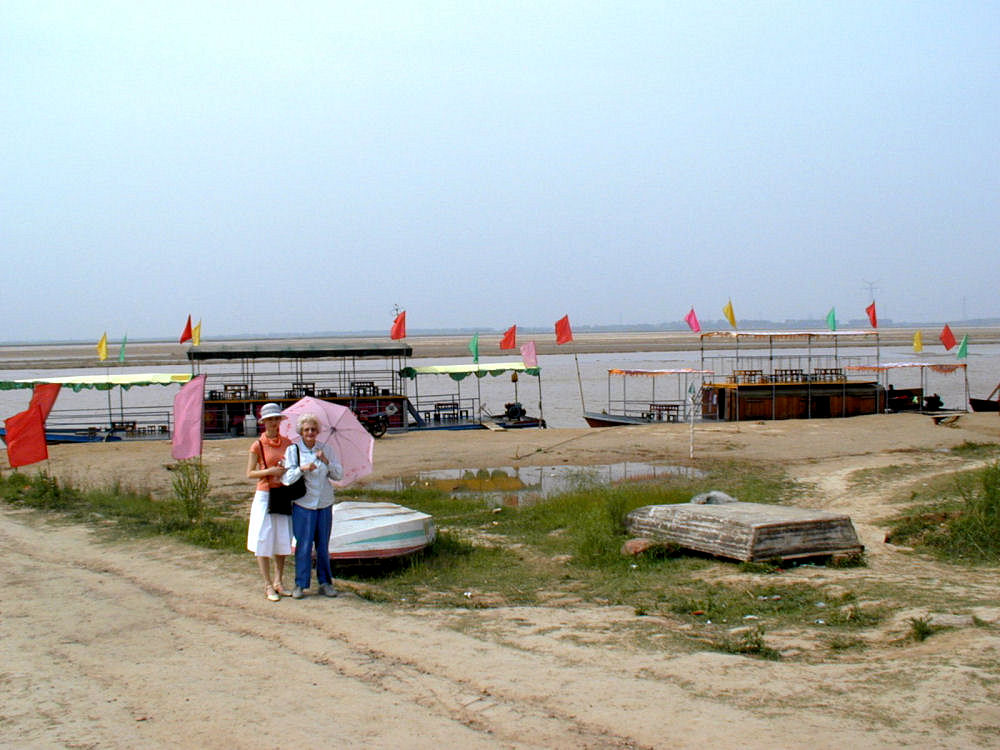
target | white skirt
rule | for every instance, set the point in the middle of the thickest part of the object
(269, 534)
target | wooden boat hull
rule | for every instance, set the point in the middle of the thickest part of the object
(756, 401)
(747, 531)
(984, 404)
(366, 531)
(601, 419)
(53, 437)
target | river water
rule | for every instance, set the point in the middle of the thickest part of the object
(563, 377)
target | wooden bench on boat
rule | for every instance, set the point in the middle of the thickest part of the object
(235, 391)
(747, 531)
(446, 411)
(788, 375)
(663, 413)
(829, 374)
(747, 376)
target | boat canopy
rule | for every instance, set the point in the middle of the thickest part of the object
(300, 351)
(102, 382)
(885, 366)
(654, 373)
(480, 369)
(787, 334)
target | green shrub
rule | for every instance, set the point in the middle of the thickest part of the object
(921, 628)
(749, 643)
(191, 487)
(964, 526)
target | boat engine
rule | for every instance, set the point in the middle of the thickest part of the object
(514, 411)
(376, 422)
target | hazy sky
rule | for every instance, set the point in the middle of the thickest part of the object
(296, 166)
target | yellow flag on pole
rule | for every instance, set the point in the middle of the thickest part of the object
(196, 334)
(728, 312)
(102, 347)
(918, 342)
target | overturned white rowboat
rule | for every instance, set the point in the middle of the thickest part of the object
(365, 531)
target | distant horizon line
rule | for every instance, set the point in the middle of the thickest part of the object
(720, 324)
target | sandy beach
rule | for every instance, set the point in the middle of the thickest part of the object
(158, 644)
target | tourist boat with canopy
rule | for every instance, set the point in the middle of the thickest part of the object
(676, 402)
(242, 378)
(803, 375)
(452, 410)
(114, 422)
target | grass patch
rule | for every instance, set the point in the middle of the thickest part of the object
(959, 522)
(971, 449)
(865, 478)
(133, 513)
(840, 643)
(748, 643)
(562, 550)
(921, 628)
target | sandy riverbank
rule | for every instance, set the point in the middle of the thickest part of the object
(155, 645)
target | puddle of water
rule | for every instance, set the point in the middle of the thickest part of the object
(509, 485)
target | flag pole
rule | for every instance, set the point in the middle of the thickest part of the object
(541, 415)
(691, 420)
(579, 381)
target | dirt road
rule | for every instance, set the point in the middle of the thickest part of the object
(153, 645)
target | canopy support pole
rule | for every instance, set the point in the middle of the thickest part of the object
(541, 415)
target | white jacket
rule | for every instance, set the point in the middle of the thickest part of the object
(319, 491)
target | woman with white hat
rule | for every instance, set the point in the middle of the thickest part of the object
(270, 534)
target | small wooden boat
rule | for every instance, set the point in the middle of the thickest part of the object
(366, 531)
(53, 437)
(603, 419)
(452, 411)
(747, 531)
(986, 404)
(626, 410)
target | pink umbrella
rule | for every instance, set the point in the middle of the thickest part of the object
(338, 428)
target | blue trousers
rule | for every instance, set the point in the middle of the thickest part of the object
(312, 529)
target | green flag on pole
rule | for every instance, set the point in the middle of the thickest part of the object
(121, 351)
(474, 348)
(831, 319)
(963, 348)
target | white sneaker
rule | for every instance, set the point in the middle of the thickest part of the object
(327, 589)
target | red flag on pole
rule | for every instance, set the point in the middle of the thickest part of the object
(947, 337)
(871, 314)
(26, 437)
(186, 334)
(509, 340)
(189, 407)
(692, 320)
(43, 396)
(564, 334)
(398, 330)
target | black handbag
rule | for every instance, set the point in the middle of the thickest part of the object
(280, 498)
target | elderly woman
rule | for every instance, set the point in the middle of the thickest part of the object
(270, 534)
(312, 515)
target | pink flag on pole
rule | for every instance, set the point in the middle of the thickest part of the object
(692, 321)
(529, 355)
(189, 407)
